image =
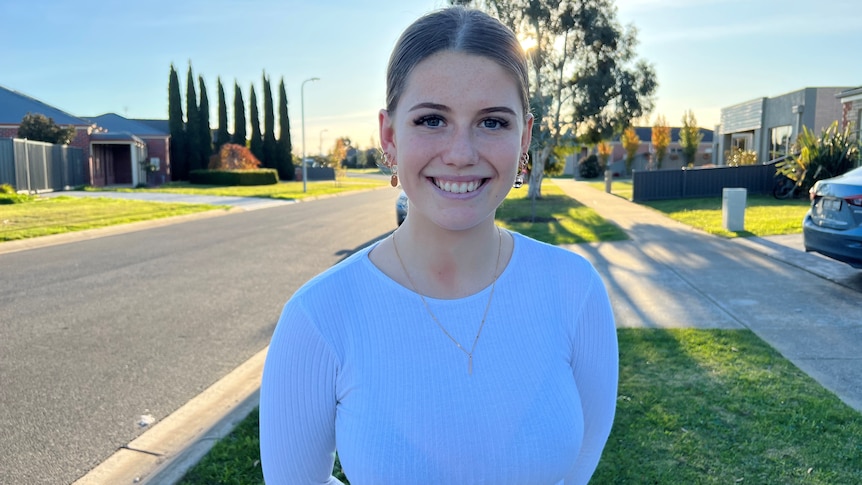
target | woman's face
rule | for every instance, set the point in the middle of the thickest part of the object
(456, 135)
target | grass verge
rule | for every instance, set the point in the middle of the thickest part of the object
(281, 190)
(559, 219)
(44, 216)
(694, 406)
(764, 215)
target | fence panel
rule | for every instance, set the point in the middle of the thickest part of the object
(701, 182)
(33, 166)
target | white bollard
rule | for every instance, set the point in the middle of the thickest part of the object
(733, 209)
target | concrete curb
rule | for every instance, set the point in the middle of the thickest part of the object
(163, 454)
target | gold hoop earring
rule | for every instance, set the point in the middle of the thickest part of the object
(522, 171)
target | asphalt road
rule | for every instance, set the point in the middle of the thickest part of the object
(98, 333)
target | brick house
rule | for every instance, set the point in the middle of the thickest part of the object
(115, 148)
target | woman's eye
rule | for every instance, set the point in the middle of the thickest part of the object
(494, 124)
(429, 121)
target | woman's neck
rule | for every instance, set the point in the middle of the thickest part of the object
(449, 264)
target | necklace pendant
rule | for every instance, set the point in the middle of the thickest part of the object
(470, 365)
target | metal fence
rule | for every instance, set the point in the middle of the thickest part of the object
(34, 166)
(701, 182)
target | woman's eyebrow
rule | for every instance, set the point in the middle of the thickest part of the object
(498, 109)
(439, 107)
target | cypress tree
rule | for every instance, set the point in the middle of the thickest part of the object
(269, 157)
(222, 136)
(206, 137)
(284, 148)
(178, 165)
(193, 147)
(238, 117)
(256, 142)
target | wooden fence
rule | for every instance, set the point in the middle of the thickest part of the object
(701, 182)
(33, 166)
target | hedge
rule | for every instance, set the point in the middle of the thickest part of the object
(264, 176)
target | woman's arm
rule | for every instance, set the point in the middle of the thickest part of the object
(297, 404)
(596, 370)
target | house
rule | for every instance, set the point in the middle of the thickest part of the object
(851, 110)
(115, 149)
(768, 126)
(644, 157)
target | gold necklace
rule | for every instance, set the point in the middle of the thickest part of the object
(433, 317)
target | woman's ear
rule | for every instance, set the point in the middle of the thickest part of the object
(387, 132)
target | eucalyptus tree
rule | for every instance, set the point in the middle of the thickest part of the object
(586, 81)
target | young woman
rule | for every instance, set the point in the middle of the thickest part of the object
(491, 358)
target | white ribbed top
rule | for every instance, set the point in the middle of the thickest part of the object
(356, 363)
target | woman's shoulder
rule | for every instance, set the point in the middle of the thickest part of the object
(547, 255)
(343, 274)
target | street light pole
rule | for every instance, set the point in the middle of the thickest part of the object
(302, 107)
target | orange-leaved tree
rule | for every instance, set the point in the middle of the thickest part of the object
(660, 139)
(234, 157)
(605, 149)
(631, 143)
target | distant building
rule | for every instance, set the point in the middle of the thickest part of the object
(115, 148)
(769, 126)
(851, 110)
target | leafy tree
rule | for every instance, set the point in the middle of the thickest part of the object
(269, 156)
(179, 164)
(631, 143)
(238, 116)
(660, 139)
(256, 142)
(205, 137)
(689, 137)
(586, 81)
(193, 120)
(222, 135)
(38, 127)
(605, 150)
(284, 159)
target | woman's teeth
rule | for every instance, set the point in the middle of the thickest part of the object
(457, 187)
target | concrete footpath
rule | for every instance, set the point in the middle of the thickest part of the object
(667, 275)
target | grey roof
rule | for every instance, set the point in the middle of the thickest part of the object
(14, 106)
(114, 122)
(162, 125)
(115, 136)
(849, 92)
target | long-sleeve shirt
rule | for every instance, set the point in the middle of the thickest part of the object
(357, 364)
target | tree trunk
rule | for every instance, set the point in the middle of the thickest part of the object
(540, 157)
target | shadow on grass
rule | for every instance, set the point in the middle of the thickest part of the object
(557, 219)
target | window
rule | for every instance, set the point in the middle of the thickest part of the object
(779, 141)
(742, 141)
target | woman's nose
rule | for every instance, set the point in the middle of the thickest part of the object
(462, 148)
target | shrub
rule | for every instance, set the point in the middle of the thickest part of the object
(9, 196)
(737, 157)
(265, 176)
(589, 167)
(814, 158)
(233, 157)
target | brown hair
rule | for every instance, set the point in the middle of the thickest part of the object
(455, 29)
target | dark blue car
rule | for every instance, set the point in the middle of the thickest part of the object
(833, 224)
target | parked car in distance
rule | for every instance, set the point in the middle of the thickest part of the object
(401, 208)
(833, 224)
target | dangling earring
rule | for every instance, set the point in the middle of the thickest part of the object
(387, 167)
(522, 171)
(393, 181)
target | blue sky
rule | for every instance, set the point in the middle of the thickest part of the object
(92, 57)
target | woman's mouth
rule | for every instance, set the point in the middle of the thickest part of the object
(456, 187)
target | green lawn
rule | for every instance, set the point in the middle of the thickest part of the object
(764, 215)
(44, 216)
(282, 190)
(694, 406)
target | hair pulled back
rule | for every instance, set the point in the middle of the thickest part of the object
(456, 29)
